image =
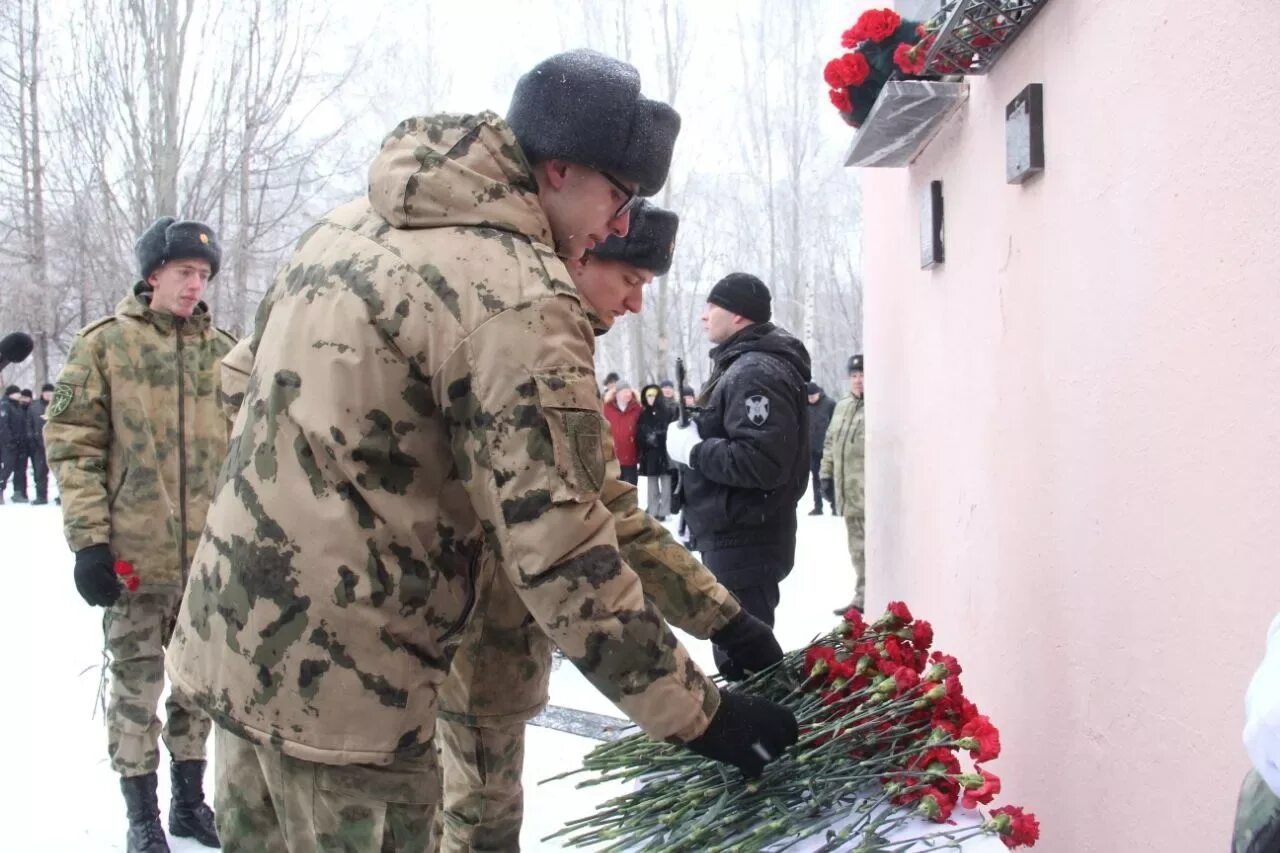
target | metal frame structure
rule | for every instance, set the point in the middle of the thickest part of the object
(974, 34)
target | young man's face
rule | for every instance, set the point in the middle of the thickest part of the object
(720, 324)
(46, 395)
(178, 285)
(612, 288)
(24, 400)
(813, 398)
(583, 205)
(668, 392)
(625, 396)
(855, 383)
(688, 400)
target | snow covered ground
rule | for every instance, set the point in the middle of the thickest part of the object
(60, 793)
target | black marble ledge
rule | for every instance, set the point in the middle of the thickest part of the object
(906, 116)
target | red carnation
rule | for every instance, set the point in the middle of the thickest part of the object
(952, 665)
(840, 100)
(922, 635)
(876, 24)
(818, 659)
(910, 58)
(900, 611)
(936, 804)
(1015, 826)
(981, 738)
(984, 792)
(906, 679)
(851, 69)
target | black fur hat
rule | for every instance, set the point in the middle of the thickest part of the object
(855, 363)
(650, 242)
(167, 240)
(585, 107)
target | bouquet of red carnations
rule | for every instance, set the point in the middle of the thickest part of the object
(884, 724)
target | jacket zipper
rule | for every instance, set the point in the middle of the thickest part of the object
(182, 453)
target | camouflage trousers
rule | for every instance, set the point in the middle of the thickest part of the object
(857, 529)
(269, 802)
(1257, 827)
(137, 630)
(499, 680)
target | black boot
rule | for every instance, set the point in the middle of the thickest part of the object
(145, 833)
(189, 816)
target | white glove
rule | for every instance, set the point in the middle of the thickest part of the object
(681, 440)
(1262, 713)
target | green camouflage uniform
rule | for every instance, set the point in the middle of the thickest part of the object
(421, 413)
(1257, 827)
(502, 672)
(844, 459)
(135, 439)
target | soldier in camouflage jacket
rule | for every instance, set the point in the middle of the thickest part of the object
(135, 439)
(501, 672)
(422, 412)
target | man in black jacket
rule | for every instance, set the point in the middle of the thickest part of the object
(820, 409)
(14, 430)
(745, 458)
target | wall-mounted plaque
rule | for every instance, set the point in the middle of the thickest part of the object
(1024, 134)
(931, 246)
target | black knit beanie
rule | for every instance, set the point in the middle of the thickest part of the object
(744, 295)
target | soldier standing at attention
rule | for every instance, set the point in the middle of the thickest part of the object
(843, 473)
(421, 411)
(135, 439)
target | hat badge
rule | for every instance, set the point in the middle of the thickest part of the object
(204, 238)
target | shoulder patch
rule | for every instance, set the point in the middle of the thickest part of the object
(63, 394)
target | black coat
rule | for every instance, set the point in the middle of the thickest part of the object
(15, 427)
(651, 434)
(819, 419)
(752, 467)
(35, 421)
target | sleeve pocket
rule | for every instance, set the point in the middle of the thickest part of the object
(572, 410)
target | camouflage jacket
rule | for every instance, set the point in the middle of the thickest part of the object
(135, 437)
(844, 455)
(421, 411)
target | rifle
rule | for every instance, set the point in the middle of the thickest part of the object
(680, 384)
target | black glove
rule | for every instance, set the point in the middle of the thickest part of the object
(747, 732)
(744, 646)
(96, 576)
(829, 490)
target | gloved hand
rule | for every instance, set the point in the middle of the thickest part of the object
(747, 732)
(1262, 713)
(829, 490)
(96, 576)
(681, 440)
(744, 646)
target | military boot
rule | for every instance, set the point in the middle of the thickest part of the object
(145, 833)
(189, 815)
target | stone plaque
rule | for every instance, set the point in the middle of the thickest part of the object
(1024, 134)
(931, 245)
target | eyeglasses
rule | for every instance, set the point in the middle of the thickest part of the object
(632, 196)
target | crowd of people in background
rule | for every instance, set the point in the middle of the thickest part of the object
(22, 444)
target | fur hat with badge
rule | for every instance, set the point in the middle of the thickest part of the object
(650, 243)
(585, 107)
(168, 239)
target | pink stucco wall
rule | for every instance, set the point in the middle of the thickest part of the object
(1074, 424)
